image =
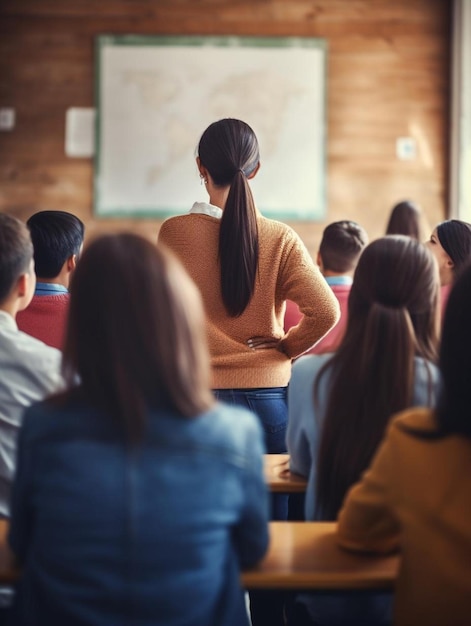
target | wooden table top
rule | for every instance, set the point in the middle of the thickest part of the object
(8, 572)
(278, 476)
(304, 555)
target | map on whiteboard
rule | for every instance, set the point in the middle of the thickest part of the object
(155, 101)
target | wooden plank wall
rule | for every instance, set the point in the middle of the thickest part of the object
(388, 76)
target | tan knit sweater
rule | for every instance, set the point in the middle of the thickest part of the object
(286, 271)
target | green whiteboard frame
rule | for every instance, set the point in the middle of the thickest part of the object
(103, 41)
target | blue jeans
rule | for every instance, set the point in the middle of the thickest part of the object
(270, 405)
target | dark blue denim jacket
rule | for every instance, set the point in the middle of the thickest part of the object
(157, 535)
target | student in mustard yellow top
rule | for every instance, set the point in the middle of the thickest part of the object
(416, 494)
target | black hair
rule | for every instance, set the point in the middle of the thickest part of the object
(341, 245)
(455, 239)
(56, 236)
(405, 219)
(455, 359)
(228, 149)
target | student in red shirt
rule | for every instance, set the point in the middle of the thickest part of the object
(341, 246)
(57, 239)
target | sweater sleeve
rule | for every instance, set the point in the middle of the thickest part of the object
(366, 521)
(302, 282)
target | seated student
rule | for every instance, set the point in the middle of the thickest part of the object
(138, 497)
(406, 219)
(340, 405)
(341, 245)
(416, 494)
(57, 239)
(450, 243)
(30, 370)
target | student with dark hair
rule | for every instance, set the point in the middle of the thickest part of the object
(30, 370)
(340, 248)
(246, 266)
(57, 239)
(416, 494)
(406, 219)
(340, 405)
(138, 497)
(450, 243)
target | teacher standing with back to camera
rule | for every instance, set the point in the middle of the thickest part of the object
(246, 266)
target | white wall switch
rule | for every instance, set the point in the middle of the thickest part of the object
(406, 149)
(7, 118)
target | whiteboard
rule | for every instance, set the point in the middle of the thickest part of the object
(156, 96)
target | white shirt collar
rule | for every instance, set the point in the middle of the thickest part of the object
(206, 209)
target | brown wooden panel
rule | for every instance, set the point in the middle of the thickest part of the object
(388, 76)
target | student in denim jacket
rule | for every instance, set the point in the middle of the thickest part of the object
(138, 498)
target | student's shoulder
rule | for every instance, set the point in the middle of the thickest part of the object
(33, 352)
(183, 228)
(310, 364)
(237, 417)
(62, 416)
(305, 371)
(411, 423)
(275, 228)
(171, 223)
(232, 427)
(38, 421)
(283, 238)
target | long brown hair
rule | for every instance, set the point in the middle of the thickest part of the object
(134, 334)
(228, 149)
(406, 219)
(392, 317)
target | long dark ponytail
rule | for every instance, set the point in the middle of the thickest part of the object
(392, 317)
(228, 149)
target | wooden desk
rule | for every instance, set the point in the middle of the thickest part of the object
(8, 572)
(304, 555)
(278, 476)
